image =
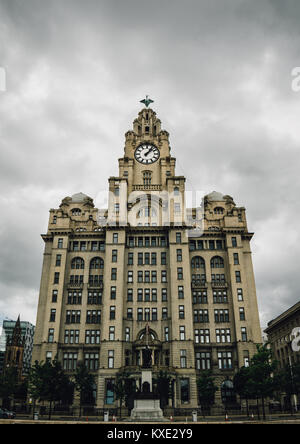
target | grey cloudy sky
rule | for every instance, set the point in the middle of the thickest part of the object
(220, 75)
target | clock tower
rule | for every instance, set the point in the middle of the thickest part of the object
(147, 186)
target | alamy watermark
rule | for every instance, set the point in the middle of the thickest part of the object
(295, 339)
(148, 207)
(296, 80)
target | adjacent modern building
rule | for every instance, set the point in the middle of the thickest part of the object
(148, 264)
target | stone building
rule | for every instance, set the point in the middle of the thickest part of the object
(146, 263)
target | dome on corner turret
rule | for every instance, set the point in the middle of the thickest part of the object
(215, 196)
(79, 197)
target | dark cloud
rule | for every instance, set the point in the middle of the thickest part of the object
(220, 74)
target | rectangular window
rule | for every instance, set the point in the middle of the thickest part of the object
(127, 334)
(164, 294)
(163, 258)
(180, 292)
(110, 383)
(60, 243)
(115, 238)
(112, 312)
(140, 276)
(154, 314)
(130, 276)
(154, 294)
(129, 313)
(242, 313)
(178, 238)
(54, 295)
(164, 276)
(179, 255)
(93, 317)
(244, 333)
(113, 274)
(129, 294)
(224, 360)
(111, 358)
(139, 314)
(140, 294)
(50, 334)
(153, 258)
(203, 360)
(114, 256)
(238, 276)
(167, 334)
(184, 390)
(94, 297)
(183, 359)
(240, 294)
(236, 258)
(91, 361)
(111, 333)
(113, 292)
(153, 276)
(220, 297)
(223, 335)
(164, 313)
(147, 276)
(52, 315)
(130, 259)
(70, 361)
(56, 278)
(182, 333)
(147, 314)
(181, 312)
(58, 260)
(147, 294)
(202, 336)
(234, 242)
(180, 273)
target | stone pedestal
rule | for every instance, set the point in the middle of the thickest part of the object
(146, 410)
(146, 403)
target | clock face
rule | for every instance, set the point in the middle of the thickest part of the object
(146, 153)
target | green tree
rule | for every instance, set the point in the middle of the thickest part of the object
(162, 382)
(84, 383)
(261, 383)
(48, 382)
(206, 389)
(288, 380)
(241, 387)
(122, 388)
(8, 385)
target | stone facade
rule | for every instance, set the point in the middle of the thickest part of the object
(147, 263)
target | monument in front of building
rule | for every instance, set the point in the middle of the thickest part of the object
(146, 402)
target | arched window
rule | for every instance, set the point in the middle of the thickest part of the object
(76, 212)
(198, 262)
(217, 262)
(96, 263)
(77, 263)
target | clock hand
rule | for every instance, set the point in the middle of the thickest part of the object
(146, 154)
